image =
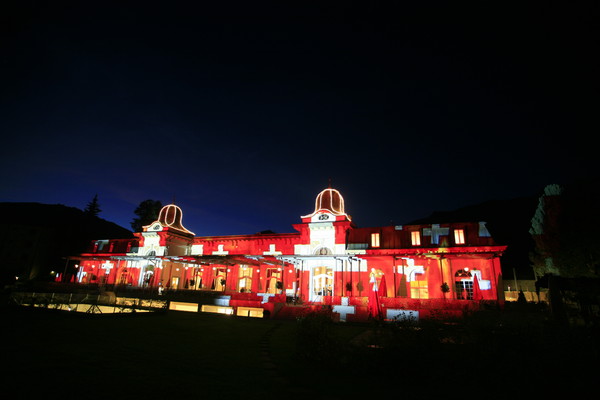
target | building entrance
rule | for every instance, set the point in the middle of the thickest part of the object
(321, 283)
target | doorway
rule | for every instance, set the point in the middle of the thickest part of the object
(321, 283)
(175, 282)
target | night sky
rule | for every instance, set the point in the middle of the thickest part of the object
(242, 113)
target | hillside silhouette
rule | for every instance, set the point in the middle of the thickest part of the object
(36, 238)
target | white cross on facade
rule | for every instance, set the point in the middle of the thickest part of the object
(220, 251)
(435, 232)
(343, 311)
(106, 265)
(272, 251)
(265, 297)
(410, 269)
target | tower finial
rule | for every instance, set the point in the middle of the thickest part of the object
(329, 183)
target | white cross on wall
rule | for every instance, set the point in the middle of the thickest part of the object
(106, 265)
(220, 251)
(272, 251)
(410, 269)
(435, 232)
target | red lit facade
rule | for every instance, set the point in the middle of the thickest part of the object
(388, 271)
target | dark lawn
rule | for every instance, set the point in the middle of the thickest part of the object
(169, 355)
(194, 355)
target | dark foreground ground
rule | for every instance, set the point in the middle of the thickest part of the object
(509, 354)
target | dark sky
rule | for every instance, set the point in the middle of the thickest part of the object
(242, 112)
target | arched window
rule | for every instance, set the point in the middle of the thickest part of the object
(323, 251)
(463, 284)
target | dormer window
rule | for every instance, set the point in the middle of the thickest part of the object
(459, 236)
(415, 238)
(375, 240)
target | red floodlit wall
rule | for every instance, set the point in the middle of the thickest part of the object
(414, 274)
(249, 244)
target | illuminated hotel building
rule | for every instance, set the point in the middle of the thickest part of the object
(387, 271)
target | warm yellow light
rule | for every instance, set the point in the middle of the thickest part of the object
(325, 201)
(459, 236)
(374, 239)
(415, 238)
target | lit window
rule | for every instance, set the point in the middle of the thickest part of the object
(374, 239)
(459, 236)
(419, 289)
(245, 279)
(415, 238)
(273, 283)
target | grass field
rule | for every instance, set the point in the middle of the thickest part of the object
(197, 355)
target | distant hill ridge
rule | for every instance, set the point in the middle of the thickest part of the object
(37, 240)
(56, 215)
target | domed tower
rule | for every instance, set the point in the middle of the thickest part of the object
(329, 206)
(324, 230)
(166, 235)
(323, 236)
(169, 218)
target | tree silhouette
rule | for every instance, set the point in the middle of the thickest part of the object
(93, 208)
(147, 212)
(565, 231)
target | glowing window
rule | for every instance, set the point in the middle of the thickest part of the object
(273, 283)
(464, 290)
(374, 239)
(459, 236)
(245, 279)
(220, 279)
(419, 289)
(415, 238)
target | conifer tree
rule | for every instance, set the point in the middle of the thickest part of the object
(93, 208)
